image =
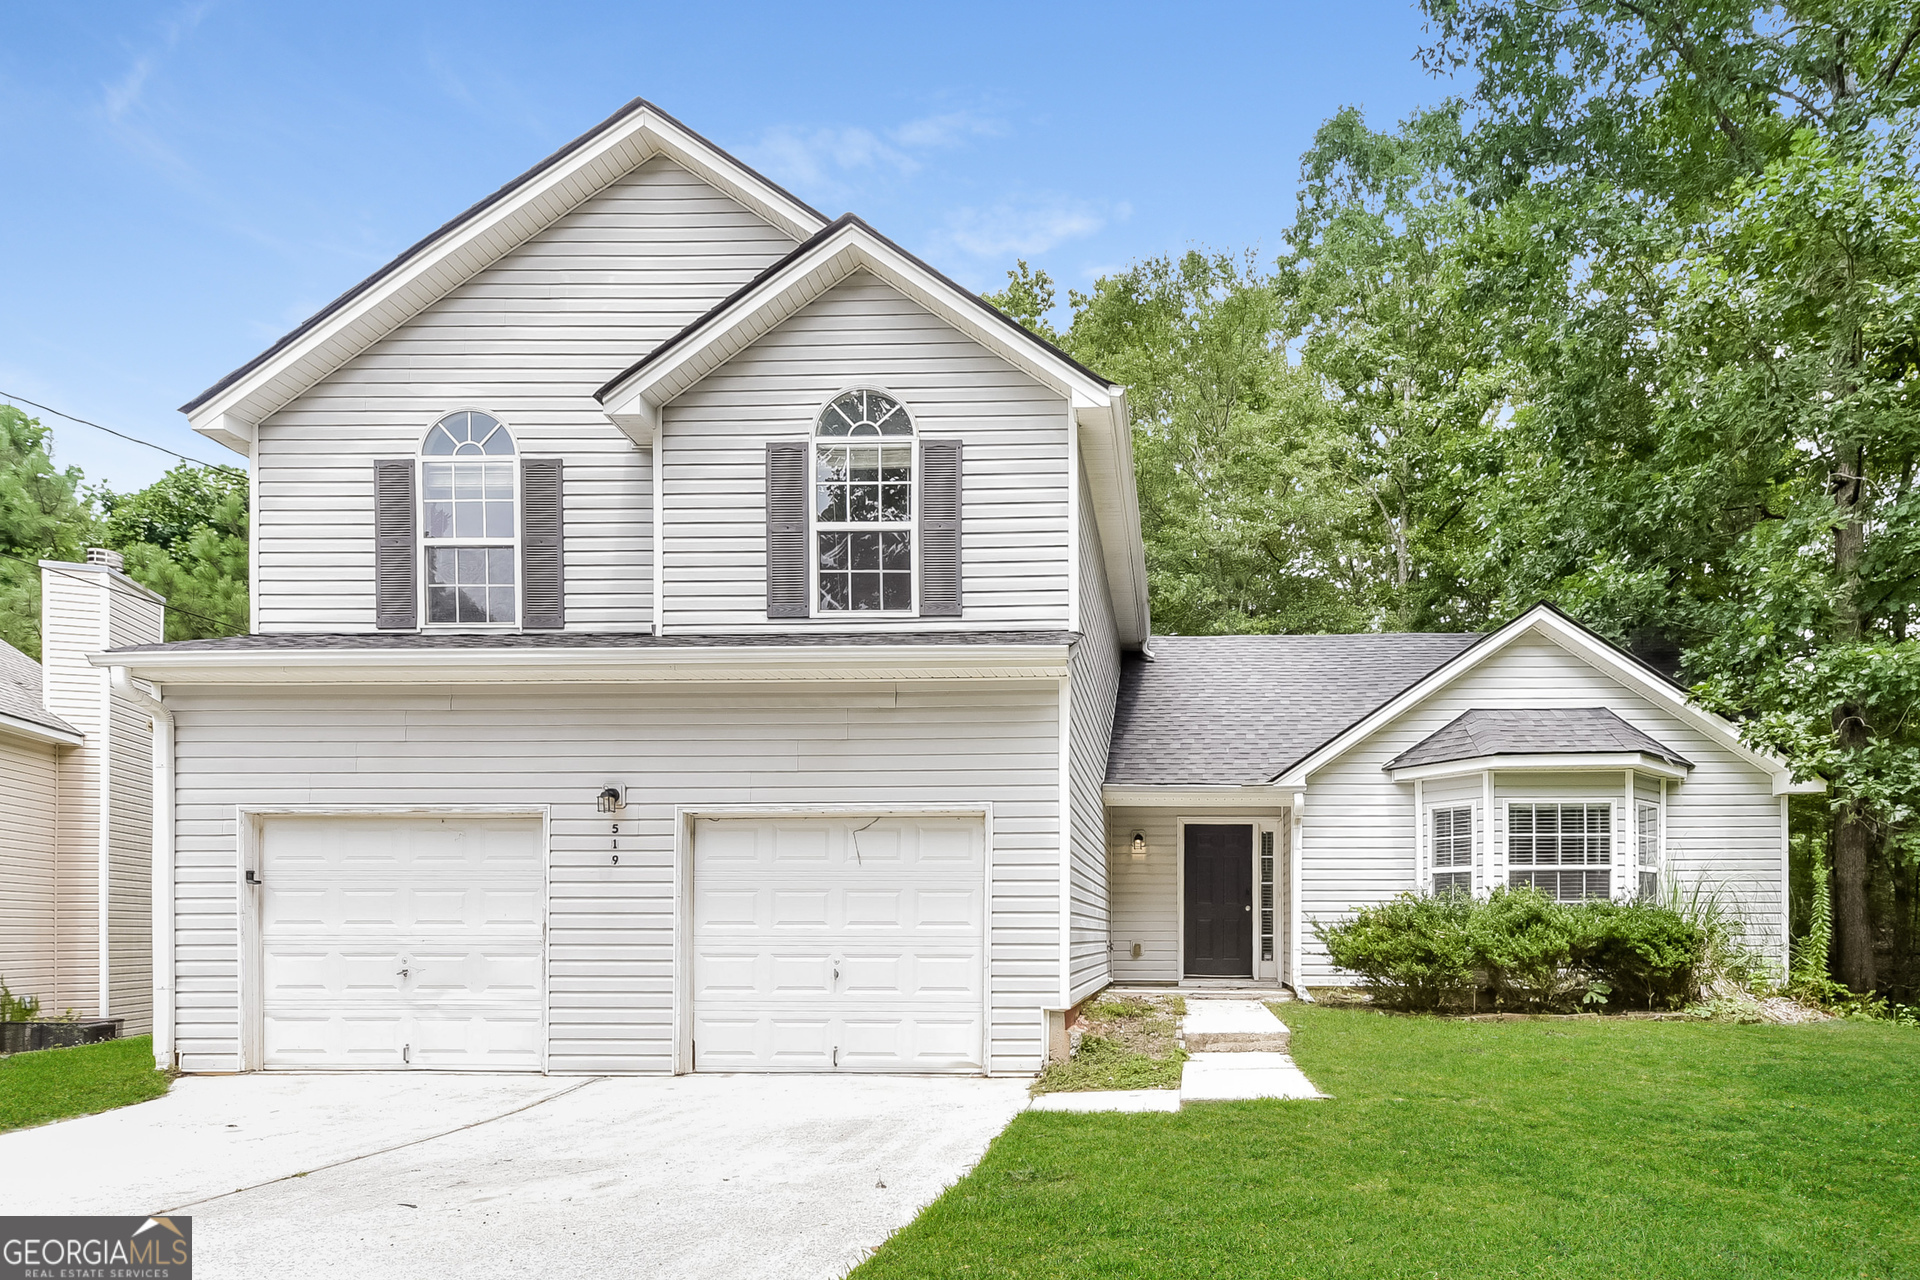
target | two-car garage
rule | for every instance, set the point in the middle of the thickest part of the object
(808, 942)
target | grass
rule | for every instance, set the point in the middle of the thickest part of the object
(1461, 1149)
(54, 1084)
(1129, 1044)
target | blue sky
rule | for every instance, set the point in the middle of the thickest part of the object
(185, 182)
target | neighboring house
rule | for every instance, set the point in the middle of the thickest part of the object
(687, 636)
(76, 799)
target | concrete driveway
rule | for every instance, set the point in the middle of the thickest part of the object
(420, 1174)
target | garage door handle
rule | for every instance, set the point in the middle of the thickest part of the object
(403, 973)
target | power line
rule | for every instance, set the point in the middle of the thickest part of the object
(199, 617)
(198, 462)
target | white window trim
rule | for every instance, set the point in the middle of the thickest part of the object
(1615, 821)
(424, 545)
(815, 527)
(1431, 863)
(1641, 809)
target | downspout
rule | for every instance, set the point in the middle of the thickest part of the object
(161, 722)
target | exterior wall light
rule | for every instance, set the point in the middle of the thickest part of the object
(610, 801)
(1139, 845)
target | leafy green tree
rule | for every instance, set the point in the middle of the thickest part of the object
(1722, 403)
(185, 536)
(1381, 293)
(43, 515)
(1248, 523)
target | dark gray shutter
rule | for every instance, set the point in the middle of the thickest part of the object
(396, 580)
(939, 528)
(787, 529)
(543, 594)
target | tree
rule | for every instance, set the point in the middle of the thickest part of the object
(1690, 161)
(1248, 524)
(185, 536)
(43, 515)
(1378, 287)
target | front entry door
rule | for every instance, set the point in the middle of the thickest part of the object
(1219, 922)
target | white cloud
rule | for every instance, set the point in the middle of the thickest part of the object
(1010, 229)
(821, 159)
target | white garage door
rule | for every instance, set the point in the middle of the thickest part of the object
(402, 942)
(839, 944)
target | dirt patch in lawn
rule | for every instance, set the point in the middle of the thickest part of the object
(1122, 1042)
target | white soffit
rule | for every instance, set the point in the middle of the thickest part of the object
(768, 663)
(477, 238)
(1556, 627)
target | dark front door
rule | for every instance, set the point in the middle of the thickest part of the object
(1219, 901)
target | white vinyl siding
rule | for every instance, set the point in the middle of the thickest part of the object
(611, 927)
(1146, 891)
(1014, 535)
(1094, 683)
(29, 775)
(529, 339)
(105, 802)
(1723, 823)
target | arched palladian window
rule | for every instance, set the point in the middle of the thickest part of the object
(469, 530)
(863, 504)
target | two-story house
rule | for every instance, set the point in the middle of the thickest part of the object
(691, 633)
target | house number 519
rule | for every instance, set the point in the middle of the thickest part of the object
(616, 843)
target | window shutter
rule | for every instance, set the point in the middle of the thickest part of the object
(787, 592)
(543, 597)
(939, 528)
(396, 580)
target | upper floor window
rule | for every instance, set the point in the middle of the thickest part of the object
(863, 504)
(469, 527)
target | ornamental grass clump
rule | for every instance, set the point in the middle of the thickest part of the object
(1519, 949)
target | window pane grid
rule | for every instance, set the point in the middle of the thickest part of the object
(1266, 895)
(1564, 850)
(1453, 837)
(470, 584)
(863, 505)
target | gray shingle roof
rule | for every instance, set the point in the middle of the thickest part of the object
(366, 641)
(20, 690)
(1213, 710)
(1545, 731)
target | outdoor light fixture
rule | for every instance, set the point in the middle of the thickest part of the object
(1139, 845)
(610, 801)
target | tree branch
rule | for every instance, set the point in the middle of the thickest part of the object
(1900, 54)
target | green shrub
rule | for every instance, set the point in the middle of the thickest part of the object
(1524, 941)
(1648, 955)
(17, 1008)
(1413, 952)
(1526, 950)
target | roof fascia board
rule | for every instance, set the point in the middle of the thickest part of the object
(466, 246)
(1575, 639)
(1106, 450)
(20, 727)
(1563, 762)
(720, 662)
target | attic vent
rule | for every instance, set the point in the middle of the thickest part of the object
(111, 559)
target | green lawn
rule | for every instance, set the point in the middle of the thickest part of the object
(56, 1083)
(1454, 1149)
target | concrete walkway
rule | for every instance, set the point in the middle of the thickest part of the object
(412, 1174)
(1238, 1050)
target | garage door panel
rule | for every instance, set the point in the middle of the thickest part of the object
(403, 942)
(848, 944)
